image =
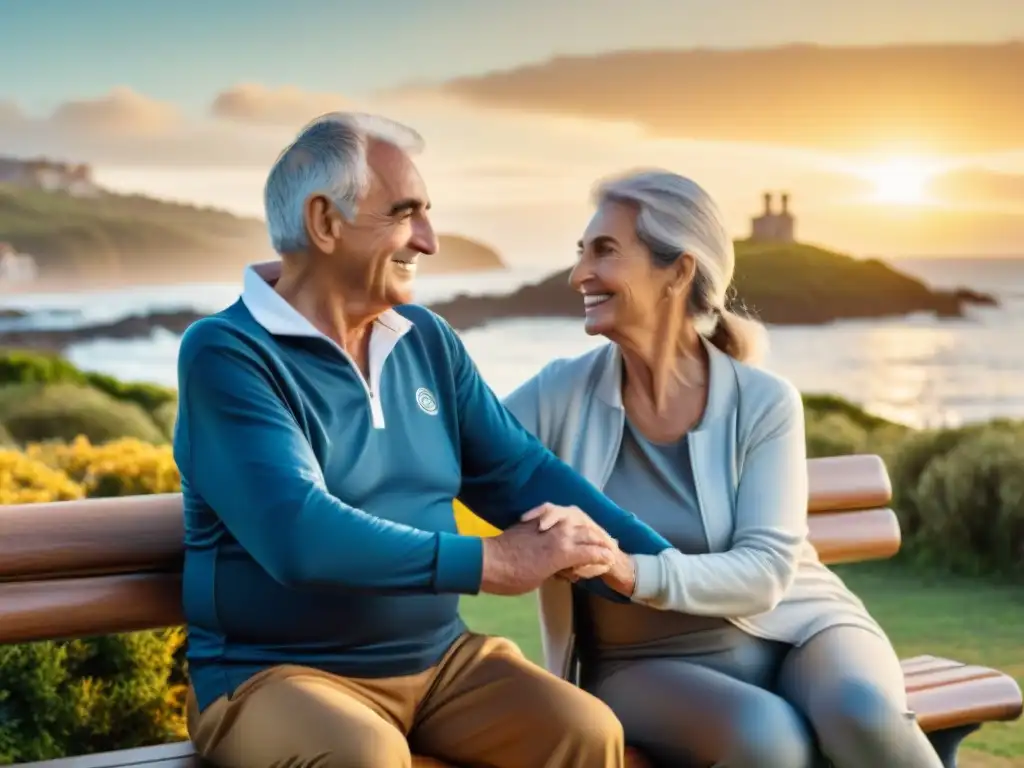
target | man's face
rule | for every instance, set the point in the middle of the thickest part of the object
(375, 255)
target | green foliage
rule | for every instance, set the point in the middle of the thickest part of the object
(38, 368)
(33, 412)
(165, 416)
(150, 397)
(22, 367)
(958, 492)
(974, 519)
(114, 234)
(84, 696)
(798, 280)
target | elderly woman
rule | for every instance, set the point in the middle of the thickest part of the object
(738, 648)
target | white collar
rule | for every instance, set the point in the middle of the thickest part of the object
(280, 318)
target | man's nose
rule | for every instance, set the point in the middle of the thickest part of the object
(423, 238)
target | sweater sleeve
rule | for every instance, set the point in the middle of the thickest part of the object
(771, 526)
(507, 471)
(242, 451)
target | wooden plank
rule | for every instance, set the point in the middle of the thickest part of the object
(144, 533)
(969, 702)
(126, 534)
(841, 483)
(854, 537)
(97, 605)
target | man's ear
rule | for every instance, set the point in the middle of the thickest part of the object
(323, 223)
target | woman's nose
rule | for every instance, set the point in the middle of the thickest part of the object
(578, 275)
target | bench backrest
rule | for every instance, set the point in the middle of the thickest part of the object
(101, 566)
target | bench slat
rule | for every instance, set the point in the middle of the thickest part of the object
(855, 537)
(840, 483)
(94, 605)
(118, 535)
(144, 533)
(98, 605)
(990, 699)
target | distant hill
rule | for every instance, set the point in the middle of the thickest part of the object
(783, 284)
(460, 254)
(126, 237)
(132, 238)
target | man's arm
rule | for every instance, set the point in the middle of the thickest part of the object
(507, 471)
(243, 452)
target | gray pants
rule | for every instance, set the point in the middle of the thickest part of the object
(761, 704)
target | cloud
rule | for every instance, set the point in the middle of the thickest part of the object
(125, 128)
(121, 112)
(979, 186)
(924, 98)
(286, 106)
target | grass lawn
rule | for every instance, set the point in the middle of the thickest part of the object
(965, 619)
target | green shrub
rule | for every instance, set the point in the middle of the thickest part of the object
(23, 367)
(822, 405)
(6, 440)
(165, 416)
(32, 413)
(834, 434)
(971, 503)
(84, 696)
(17, 367)
(149, 396)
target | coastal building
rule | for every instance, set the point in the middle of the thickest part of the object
(16, 267)
(772, 226)
(73, 178)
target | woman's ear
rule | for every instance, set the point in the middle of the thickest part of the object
(685, 269)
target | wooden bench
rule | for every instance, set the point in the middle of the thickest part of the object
(95, 567)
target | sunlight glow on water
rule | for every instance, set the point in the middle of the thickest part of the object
(917, 370)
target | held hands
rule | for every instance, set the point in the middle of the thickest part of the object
(522, 557)
(620, 575)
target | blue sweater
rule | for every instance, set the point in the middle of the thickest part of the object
(314, 538)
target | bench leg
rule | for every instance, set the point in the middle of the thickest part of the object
(947, 743)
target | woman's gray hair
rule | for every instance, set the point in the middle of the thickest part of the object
(328, 157)
(676, 216)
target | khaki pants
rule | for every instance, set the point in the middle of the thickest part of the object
(482, 705)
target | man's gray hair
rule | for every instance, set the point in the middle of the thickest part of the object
(676, 216)
(327, 157)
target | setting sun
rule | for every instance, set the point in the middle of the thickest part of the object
(900, 181)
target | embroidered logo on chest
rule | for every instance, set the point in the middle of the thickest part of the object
(426, 401)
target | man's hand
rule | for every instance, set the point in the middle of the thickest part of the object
(621, 576)
(522, 557)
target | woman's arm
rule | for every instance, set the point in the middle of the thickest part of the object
(770, 529)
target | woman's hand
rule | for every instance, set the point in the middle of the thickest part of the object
(620, 576)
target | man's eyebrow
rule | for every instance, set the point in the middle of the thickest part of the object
(409, 205)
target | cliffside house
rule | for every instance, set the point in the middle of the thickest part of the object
(73, 178)
(16, 267)
(772, 227)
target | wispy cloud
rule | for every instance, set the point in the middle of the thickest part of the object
(287, 106)
(923, 98)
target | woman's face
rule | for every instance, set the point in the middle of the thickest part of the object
(624, 292)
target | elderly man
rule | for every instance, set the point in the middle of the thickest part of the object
(325, 426)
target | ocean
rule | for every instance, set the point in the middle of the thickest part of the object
(918, 370)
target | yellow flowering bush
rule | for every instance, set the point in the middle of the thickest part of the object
(125, 467)
(27, 480)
